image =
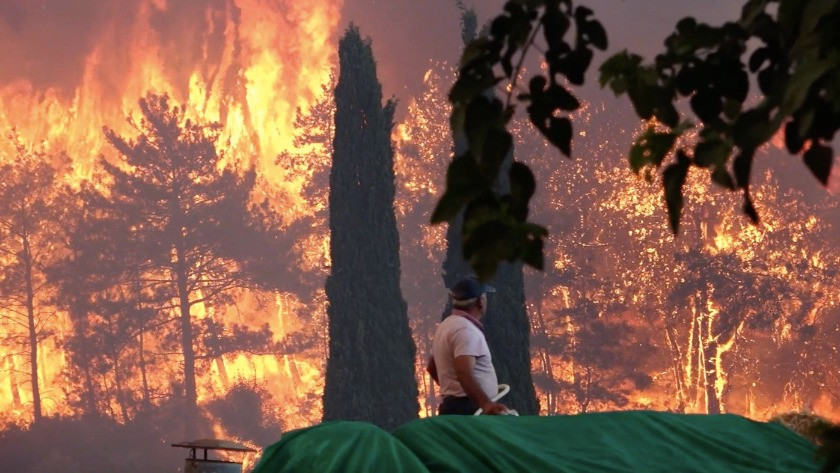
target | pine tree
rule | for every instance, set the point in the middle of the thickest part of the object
(181, 230)
(370, 370)
(32, 203)
(507, 327)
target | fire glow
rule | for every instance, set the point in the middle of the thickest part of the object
(251, 66)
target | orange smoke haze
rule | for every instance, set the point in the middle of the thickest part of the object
(72, 67)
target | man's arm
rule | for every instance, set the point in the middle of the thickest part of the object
(432, 369)
(464, 366)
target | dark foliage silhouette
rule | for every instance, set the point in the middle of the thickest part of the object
(370, 370)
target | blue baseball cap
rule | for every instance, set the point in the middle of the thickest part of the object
(468, 289)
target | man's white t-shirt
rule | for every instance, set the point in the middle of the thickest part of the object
(457, 336)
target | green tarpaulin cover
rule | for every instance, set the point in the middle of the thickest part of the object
(642, 441)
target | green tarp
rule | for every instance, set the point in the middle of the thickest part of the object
(642, 441)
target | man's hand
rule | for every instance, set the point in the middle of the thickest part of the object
(464, 366)
(493, 408)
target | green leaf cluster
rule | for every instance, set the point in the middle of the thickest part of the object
(795, 65)
(496, 226)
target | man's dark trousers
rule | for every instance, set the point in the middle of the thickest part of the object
(456, 405)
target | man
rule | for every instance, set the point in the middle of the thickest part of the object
(460, 361)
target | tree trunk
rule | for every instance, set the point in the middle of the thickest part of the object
(13, 382)
(585, 392)
(676, 366)
(430, 395)
(92, 407)
(33, 332)
(694, 358)
(190, 395)
(545, 358)
(295, 372)
(750, 403)
(432, 404)
(120, 393)
(422, 354)
(222, 369)
(550, 401)
(108, 408)
(143, 378)
(181, 269)
(289, 359)
(707, 347)
(187, 347)
(712, 401)
(115, 356)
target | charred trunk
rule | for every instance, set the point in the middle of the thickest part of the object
(294, 372)
(119, 387)
(32, 332)
(545, 357)
(190, 395)
(90, 390)
(585, 392)
(710, 356)
(143, 377)
(676, 367)
(13, 382)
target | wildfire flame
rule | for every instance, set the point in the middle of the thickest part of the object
(247, 64)
(250, 66)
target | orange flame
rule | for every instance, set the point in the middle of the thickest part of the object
(246, 64)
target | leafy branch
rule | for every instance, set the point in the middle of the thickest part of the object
(496, 226)
(795, 67)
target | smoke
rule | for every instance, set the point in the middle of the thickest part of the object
(46, 42)
(73, 66)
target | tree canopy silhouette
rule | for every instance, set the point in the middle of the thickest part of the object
(175, 227)
(33, 202)
(370, 371)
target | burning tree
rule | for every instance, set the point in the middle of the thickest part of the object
(713, 329)
(309, 165)
(32, 204)
(605, 356)
(710, 302)
(178, 234)
(370, 371)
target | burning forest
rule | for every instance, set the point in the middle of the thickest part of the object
(192, 238)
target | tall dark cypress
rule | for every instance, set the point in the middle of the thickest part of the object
(506, 323)
(370, 370)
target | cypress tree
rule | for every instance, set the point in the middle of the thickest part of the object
(370, 370)
(506, 323)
